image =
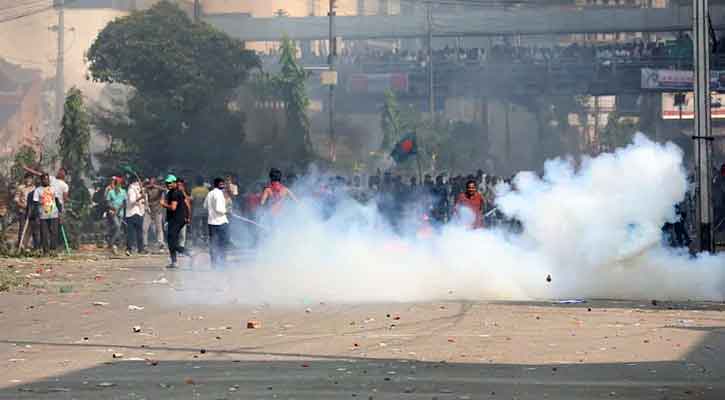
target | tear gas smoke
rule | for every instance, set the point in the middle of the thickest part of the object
(595, 229)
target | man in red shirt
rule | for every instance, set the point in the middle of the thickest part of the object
(473, 201)
(275, 195)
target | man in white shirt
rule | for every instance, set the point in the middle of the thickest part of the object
(135, 210)
(216, 206)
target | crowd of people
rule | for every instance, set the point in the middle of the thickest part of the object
(603, 53)
(169, 213)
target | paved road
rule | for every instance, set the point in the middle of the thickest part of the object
(57, 345)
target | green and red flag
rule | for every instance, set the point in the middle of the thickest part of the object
(406, 147)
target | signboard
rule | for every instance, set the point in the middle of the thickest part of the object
(377, 83)
(328, 78)
(678, 80)
(671, 109)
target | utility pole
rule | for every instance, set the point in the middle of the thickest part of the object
(431, 92)
(702, 134)
(60, 63)
(197, 11)
(331, 62)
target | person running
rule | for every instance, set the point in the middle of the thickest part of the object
(472, 201)
(176, 216)
(218, 224)
(275, 195)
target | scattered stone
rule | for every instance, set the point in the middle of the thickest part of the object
(100, 303)
(253, 324)
(132, 307)
(654, 303)
(548, 278)
(409, 390)
(202, 351)
(58, 390)
(117, 355)
(189, 381)
(106, 384)
(136, 329)
(308, 310)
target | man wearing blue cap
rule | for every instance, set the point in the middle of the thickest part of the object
(176, 212)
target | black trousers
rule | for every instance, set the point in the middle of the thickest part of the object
(49, 234)
(134, 233)
(218, 238)
(173, 233)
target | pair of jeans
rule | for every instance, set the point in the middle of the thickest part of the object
(157, 221)
(114, 228)
(134, 233)
(173, 237)
(218, 238)
(49, 234)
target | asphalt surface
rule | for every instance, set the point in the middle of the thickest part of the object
(69, 334)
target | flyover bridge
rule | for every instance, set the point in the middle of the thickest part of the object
(470, 24)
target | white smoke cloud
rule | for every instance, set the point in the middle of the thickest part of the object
(595, 229)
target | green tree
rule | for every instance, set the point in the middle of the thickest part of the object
(74, 146)
(390, 122)
(290, 87)
(24, 156)
(184, 76)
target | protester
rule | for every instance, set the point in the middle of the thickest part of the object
(231, 192)
(181, 187)
(218, 224)
(135, 211)
(23, 210)
(472, 201)
(198, 214)
(57, 182)
(153, 216)
(276, 194)
(176, 217)
(115, 199)
(49, 212)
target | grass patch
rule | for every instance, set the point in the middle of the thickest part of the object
(9, 279)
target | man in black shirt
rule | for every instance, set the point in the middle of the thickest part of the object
(176, 212)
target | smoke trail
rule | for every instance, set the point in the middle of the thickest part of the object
(595, 229)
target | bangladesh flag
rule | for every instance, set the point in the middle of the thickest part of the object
(406, 147)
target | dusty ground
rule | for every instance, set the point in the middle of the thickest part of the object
(56, 344)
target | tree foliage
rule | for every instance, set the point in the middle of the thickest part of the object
(184, 76)
(24, 156)
(74, 146)
(390, 122)
(291, 89)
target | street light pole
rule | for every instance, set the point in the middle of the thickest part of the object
(702, 133)
(331, 62)
(431, 87)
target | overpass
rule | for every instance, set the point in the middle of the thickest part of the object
(494, 22)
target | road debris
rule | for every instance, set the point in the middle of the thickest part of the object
(136, 329)
(254, 324)
(132, 307)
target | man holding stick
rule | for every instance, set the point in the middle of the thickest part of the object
(218, 224)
